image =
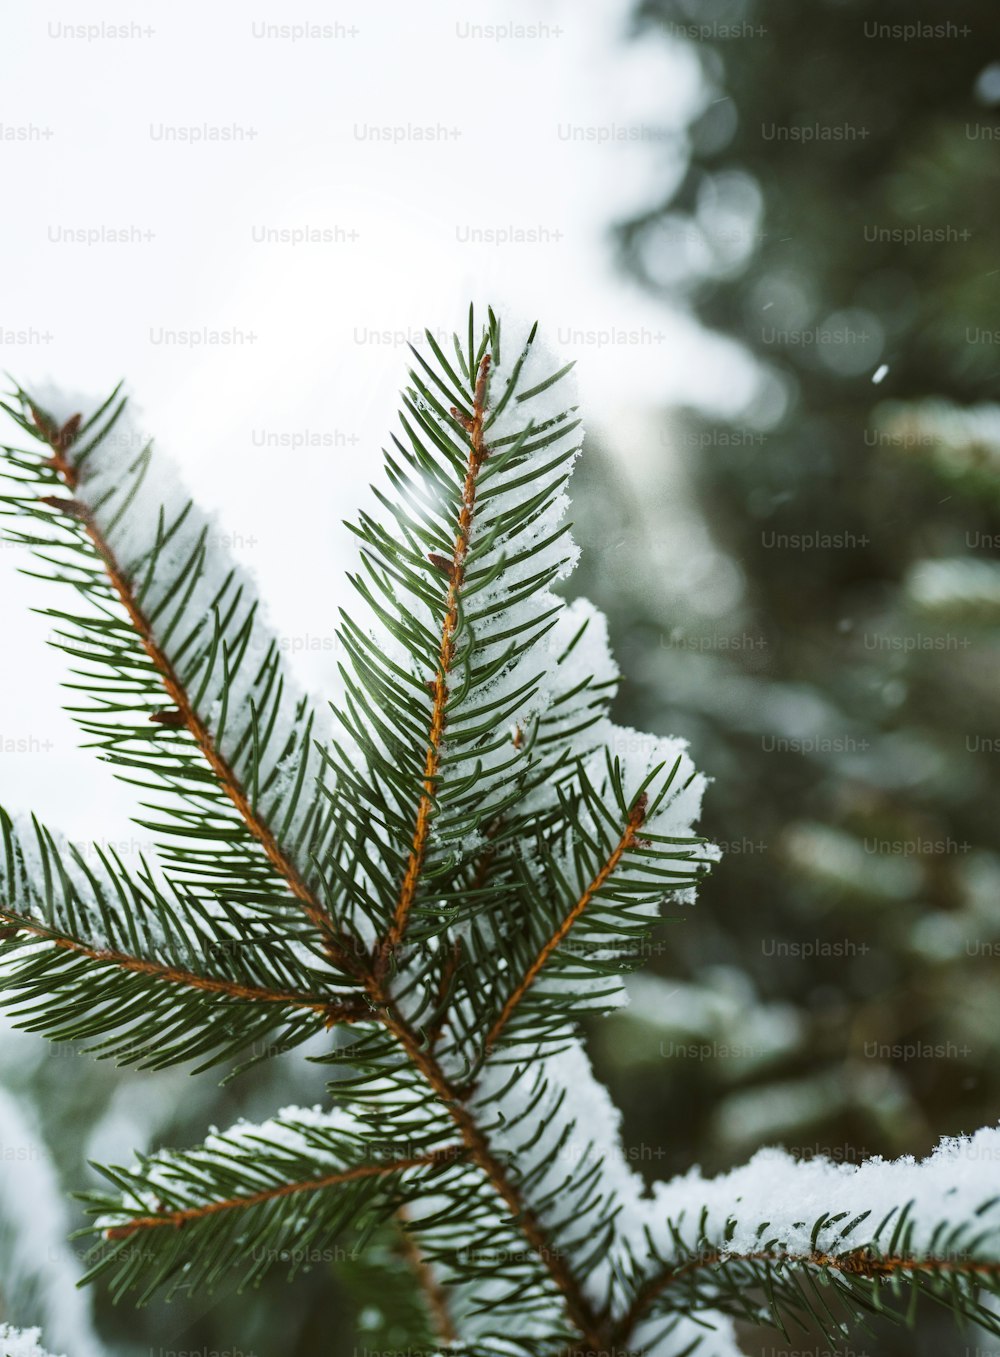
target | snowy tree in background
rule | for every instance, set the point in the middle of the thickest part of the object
(443, 874)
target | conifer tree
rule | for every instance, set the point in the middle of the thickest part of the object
(843, 693)
(439, 876)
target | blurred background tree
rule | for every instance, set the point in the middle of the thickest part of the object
(811, 595)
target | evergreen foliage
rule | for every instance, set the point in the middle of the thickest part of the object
(438, 877)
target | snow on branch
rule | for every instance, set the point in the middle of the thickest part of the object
(177, 654)
(875, 1230)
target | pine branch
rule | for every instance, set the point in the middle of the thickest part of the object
(577, 1305)
(408, 843)
(475, 875)
(178, 1219)
(617, 879)
(281, 1192)
(183, 713)
(785, 1287)
(891, 1233)
(158, 627)
(172, 975)
(856, 1264)
(457, 585)
(455, 571)
(86, 951)
(629, 836)
(434, 1294)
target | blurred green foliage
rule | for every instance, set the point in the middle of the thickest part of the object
(811, 595)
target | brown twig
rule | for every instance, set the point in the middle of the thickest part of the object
(338, 948)
(577, 1306)
(455, 570)
(351, 1011)
(856, 1263)
(434, 1294)
(178, 1219)
(627, 840)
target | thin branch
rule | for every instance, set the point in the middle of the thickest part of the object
(578, 1307)
(455, 569)
(484, 864)
(856, 1263)
(336, 945)
(434, 1293)
(331, 1012)
(178, 1219)
(627, 840)
(447, 978)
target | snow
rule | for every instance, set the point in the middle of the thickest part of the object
(492, 554)
(21, 1342)
(293, 1131)
(134, 492)
(575, 1125)
(674, 804)
(667, 1338)
(40, 1271)
(297, 1142)
(788, 1196)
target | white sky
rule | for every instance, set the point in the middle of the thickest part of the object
(94, 312)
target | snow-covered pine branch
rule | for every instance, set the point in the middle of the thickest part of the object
(782, 1239)
(179, 680)
(449, 868)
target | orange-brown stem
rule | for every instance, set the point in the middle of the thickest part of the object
(577, 1306)
(627, 841)
(178, 1219)
(856, 1263)
(455, 570)
(175, 975)
(338, 948)
(434, 1293)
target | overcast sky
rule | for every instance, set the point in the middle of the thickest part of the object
(172, 170)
